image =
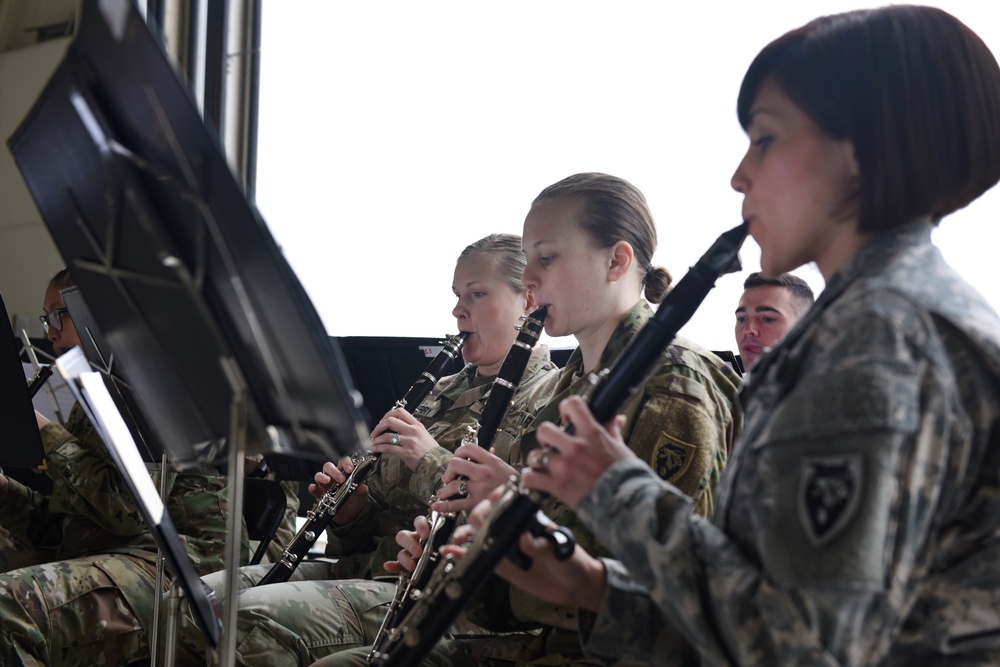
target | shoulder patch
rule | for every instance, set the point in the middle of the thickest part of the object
(671, 457)
(830, 490)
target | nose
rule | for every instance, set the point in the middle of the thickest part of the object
(52, 335)
(740, 182)
(750, 328)
(459, 312)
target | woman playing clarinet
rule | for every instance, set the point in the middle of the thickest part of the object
(857, 522)
(589, 241)
(327, 607)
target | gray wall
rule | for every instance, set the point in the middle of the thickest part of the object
(28, 258)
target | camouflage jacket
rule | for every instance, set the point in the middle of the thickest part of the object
(397, 495)
(857, 520)
(681, 424)
(91, 510)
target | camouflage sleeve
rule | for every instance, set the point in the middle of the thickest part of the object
(426, 479)
(86, 482)
(629, 627)
(24, 513)
(671, 514)
(374, 528)
(355, 536)
(682, 434)
(846, 455)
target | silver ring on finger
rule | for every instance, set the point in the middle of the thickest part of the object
(463, 488)
(394, 439)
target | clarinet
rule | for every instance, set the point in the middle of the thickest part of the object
(442, 524)
(322, 513)
(518, 510)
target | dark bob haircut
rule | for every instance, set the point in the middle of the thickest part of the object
(915, 91)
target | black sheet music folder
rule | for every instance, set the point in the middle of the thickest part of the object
(102, 359)
(179, 270)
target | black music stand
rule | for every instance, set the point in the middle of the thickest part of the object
(22, 444)
(182, 275)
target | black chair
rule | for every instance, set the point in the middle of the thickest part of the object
(264, 504)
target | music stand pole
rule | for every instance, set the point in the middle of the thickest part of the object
(154, 635)
(173, 611)
(237, 463)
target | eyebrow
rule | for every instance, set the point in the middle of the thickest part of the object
(752, 116)
(759, 309)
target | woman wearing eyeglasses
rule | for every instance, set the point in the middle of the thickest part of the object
(56, 321)
(85, 558)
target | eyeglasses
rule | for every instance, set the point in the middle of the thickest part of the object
(53, 319)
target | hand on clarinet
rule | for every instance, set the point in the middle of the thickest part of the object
(568, 466)
(412, 543)
(472, 474)
(579, 581)
(332, 475)
(399, 434)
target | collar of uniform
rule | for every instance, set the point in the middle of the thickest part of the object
(875, 255)
(869, 259)
(627, 327)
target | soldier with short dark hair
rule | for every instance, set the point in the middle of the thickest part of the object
(858, 518)
(768, 308)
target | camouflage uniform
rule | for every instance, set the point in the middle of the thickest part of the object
(858, 520)
(328, 607)
(92, 601)
(682, 425)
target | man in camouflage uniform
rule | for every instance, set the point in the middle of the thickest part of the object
(89, 598)
(767, 309)
(681, 425)
(327, 607)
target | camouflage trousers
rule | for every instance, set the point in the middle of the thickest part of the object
(84, 611)
(549, 647)
(302, 620)
(295, 622)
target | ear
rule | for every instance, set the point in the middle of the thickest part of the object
(530, 303)
(621, 260)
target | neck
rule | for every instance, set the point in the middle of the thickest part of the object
(839, 250)
(593, 340)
